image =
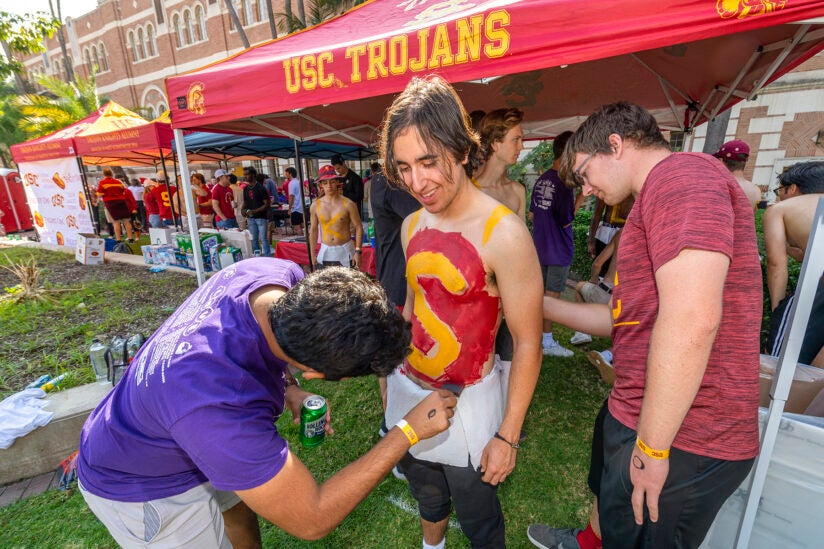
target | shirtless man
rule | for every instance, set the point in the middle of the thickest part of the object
(502, 140)
(734, 155)
(468, 260)
(787, 226)
(335, 214)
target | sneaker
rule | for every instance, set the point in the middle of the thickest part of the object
(604, 365)
(398, 474)
(553, 538)
(555, 349)
(579, 338)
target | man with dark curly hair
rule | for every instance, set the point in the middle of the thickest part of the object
(184, 451)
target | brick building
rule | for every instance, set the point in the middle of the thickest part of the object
(136, 44)
(782, 126)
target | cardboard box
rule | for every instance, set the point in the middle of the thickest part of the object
(89, 249)
(789, 512)
(228, 255)
(209, 238)
(163, 235)
(238, 239)
(808, 381)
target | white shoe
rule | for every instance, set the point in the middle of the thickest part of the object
(579, 338)
(555, 349)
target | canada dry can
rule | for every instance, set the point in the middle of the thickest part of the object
(312, 421)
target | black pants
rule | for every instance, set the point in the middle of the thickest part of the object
(479, 512)
(695, 489)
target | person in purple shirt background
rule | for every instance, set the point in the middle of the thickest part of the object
(190, 430)
(551, 210)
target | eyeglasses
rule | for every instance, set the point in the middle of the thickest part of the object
(578, 177)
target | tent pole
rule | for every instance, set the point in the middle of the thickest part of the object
(299, 168)
(168, 189)
(808, 281)
(190, 206)
(85, 181)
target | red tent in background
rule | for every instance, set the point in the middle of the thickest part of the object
(685, 60)
(60, 144)
(121, 137)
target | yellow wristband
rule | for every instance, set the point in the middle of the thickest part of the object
(655, 454)
(408, 431)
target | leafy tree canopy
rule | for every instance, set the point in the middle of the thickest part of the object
(22, 34)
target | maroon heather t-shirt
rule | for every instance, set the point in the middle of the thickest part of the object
(692, 201)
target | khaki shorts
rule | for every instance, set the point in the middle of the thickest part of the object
(593, 293)
(190, 519)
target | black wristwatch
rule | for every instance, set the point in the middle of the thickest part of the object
(358, 251)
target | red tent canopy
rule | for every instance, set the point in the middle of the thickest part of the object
(121, 137)
(685, 60)
(59, 144)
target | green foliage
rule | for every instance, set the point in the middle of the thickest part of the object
(22, 34)
(10, 132)
(581, 262)
(317, 11)
(539, 158)
(65, 103)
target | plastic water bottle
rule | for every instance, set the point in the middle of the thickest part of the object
(133, 345)
(100, 363)
(371, 232)
(53, 383)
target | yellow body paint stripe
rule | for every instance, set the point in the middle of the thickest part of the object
(628, 323)
(497, 214)
(413, 222)
(326, 225)
(475, 182)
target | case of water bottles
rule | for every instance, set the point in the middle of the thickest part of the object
(111, 360)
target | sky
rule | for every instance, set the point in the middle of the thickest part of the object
(70, 8)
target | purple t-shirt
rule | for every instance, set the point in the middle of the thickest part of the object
(553, 208)
(198, 402)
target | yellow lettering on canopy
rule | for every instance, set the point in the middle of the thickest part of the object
(469, 38)
(497, 214)
(398, 54)
(419, 64)
(325, 81)
(497, 34)
(292, 73)
(310, 75)
(354, 53)
(377, 60)
(447, 349)
(441, 49)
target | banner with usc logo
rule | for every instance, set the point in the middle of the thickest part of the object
(54, 191)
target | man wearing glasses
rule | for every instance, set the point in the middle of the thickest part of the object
(787, 226)
(680, 428)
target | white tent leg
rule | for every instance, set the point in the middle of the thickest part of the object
(811, 271)
(186, 189)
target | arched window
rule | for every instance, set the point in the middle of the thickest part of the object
(150, 112)
(247, 7)
(151, 48)
(104, 59)
(178, 30)
(96, 59)
(132, 46)
(188, 29)
(161, 108)
(257, 10)
(87, 60)
(200, 21)
(141, 49)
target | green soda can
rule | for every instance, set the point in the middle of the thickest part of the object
(312, 421)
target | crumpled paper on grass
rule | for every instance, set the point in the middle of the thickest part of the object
(22, 413)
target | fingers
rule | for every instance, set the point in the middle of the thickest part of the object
(652, 505)
(638, 505)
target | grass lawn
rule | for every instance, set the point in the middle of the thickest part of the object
(548, 484)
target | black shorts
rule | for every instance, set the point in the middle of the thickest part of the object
(296, 218)
(596, 457)
(695, 489)
(437, 487)
(814, 335)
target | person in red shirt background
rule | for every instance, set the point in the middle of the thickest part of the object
(163, 196)
(223, 202)
(118, 210)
